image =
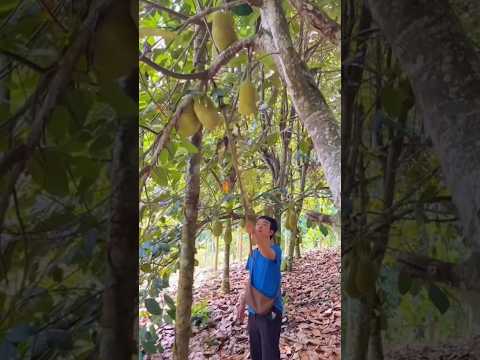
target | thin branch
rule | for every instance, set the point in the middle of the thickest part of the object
(196, 18)
(169, 11)
(318, 19)
(23, 61)
(220, 61)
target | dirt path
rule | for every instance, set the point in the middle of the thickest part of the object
(311, 323)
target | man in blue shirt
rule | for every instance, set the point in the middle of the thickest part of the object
(264, 267)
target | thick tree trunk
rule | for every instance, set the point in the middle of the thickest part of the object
(120, 298)
(309, 103)
(187, 255)
(444, 72)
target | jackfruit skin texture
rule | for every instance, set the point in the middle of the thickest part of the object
(291, 222)
(365, 276)
(351, 286)
(188, 124)
(112, 59)
(223, 30)
(247, 99)
(206, 112)
(217, 228)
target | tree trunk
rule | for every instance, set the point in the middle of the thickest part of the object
(297, 247)
(187, 254)
(118, 340)
(226, 260)
(308, 101)
(189, 230)
(444, 72)
(217, 245)
(291, 248)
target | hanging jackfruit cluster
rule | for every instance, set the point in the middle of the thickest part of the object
(361, 274)
(217, 228)
(291, 221)
(111, 58)
(247, 99)
(197, 112)
(223, 30)
(188, 124)
(206, 112)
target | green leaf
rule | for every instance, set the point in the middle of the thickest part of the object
(159, 175)
(48, 170)
(392, 101)
(57, 274)
(438, 298)
(404, 282)
(152, 306)
(323, 230)
(59, 124)
(242, 10)
(149, 347)
(112, 94)
(163, 158)
(191, 149)
(169, 301)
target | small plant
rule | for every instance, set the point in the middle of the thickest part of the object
(200, 314)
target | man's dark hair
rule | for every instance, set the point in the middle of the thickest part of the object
(273, 224)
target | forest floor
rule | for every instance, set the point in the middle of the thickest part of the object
(462, 349)
(311, 322)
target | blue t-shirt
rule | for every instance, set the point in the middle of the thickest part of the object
(266, 276)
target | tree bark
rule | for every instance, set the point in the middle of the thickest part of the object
(118, 340)
(187, 255)
(318, 19)
(217, 245)
(309, 103)
(444, 72)
(226, 261)
(183, 313)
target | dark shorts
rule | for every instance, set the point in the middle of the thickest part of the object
(264, 334)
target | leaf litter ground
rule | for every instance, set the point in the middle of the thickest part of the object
(310, 325)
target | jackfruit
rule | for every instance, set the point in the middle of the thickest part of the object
(291, 222)
(223, 31)
(217, 228)
(247, 99)
(188, 124)
(111, 58)
(365, 276)
(242, 223)
(350, 284)
(206, 112)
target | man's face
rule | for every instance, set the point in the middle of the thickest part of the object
(262, 227)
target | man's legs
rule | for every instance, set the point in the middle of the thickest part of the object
(254, 336)
(270, 336)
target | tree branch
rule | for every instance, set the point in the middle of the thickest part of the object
(221, 60)
(169, 11)
(56, 86)
(318, 19)
(196, 19)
